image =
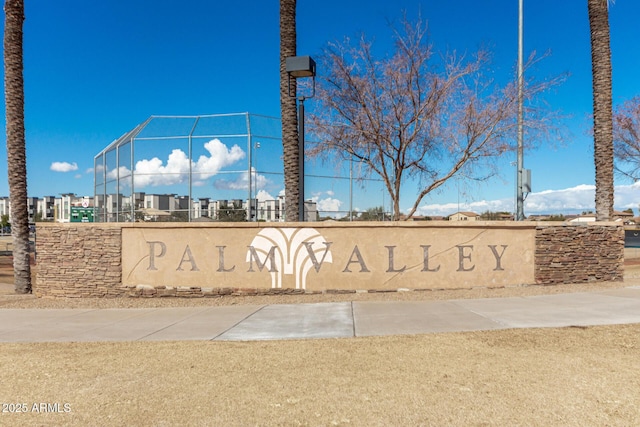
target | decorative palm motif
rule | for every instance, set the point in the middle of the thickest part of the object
(290, 251)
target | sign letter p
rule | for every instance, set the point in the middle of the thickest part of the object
(153, 254)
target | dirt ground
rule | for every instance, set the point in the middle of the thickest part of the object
(587, 376)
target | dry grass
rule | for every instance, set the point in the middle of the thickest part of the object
(570, 376)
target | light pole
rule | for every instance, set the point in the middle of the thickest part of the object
(253, 179)
(297, 67)
(255, 162)
(519, 180)
(351, 190)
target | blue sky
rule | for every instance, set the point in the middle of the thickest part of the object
(95, 70)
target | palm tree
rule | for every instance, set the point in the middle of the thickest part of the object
(16, 152)
(288, 109)
(602, 107)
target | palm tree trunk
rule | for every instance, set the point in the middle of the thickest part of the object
(602, 107)
(16, 151)
(288, 109)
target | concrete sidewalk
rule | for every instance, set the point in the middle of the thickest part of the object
(321, 320)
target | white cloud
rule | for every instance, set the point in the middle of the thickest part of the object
(221, 156)
(64, 166)
(564, 201)
(155, 172)
(578, 198)
(479, 206)
(242, 182)
(121, 172)
(627, 196)
(328, 205)
(263, 195)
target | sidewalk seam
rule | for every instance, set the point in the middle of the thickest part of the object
(172, 324)
(500, 323)
(353, 321)
(239, 322)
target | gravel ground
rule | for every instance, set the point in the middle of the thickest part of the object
(28, 301)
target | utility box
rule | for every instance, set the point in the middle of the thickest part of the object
(526, 180)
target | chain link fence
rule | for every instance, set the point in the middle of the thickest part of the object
(225, 167)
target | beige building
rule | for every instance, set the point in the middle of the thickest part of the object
(464, 216)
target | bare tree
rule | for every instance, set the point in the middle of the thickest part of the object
(288, 110)
(626, 138)
(16, 151)
(602, 107)
(416, 114)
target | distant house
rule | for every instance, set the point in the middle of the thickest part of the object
(464, 216)
(583, 218)
(534, 217)
(625, 217)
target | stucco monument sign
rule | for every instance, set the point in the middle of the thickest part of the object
(334, 256)
(78, 260)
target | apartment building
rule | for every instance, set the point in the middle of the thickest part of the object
(118, 208)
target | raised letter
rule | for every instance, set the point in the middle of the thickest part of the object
(312, 255)
(153, 255)
(391, 268)
(462, 256)
(363, 267)
(187, 256)
(271, 256)
(221, 268)
(425, 259)
(498, 257)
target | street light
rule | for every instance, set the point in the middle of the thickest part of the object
(253, 181)
(255, 177)
(300, 67)
(519, 160)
